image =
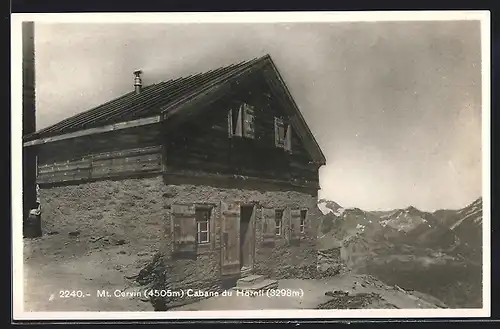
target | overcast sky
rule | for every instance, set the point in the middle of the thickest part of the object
(396, 107)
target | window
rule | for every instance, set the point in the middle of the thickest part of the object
(248, 121)
(234, 122)
(303, 215)
(241, 121)
(283, 134)
(203, 225)
(38, 196)
(278, 219)
(279, 131)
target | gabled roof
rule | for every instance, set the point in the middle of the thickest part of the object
(164, 97)
(150, 101)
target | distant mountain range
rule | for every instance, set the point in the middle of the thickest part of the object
(438, 252)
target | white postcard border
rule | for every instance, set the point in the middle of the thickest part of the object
(241, 17)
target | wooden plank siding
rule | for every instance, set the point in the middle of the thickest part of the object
(124, 165)
(104, 165)
(76, 148)
(203, 143)
(200, 143)
(111, 154)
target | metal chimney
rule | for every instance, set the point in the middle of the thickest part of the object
(137, 81)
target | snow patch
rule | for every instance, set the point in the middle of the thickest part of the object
(384, 222)
(323, 208)
(472, 210)
(360, 227)
(464, 218)
(339, 212)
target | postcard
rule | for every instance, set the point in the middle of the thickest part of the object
(251, 165)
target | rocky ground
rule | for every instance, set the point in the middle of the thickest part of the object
(347, 291)
(77, 259)
(61, 269)
(71, 261)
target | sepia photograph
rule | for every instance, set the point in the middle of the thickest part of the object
(251, 165)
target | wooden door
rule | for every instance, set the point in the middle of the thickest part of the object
(230, 239)
(247, 236)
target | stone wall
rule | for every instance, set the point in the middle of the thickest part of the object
(130, 210)
(271, 260)
(267, 258)
(137, 211)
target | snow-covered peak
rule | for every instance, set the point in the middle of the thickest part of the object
(323, 208)
(405, 219)
(477, 203)
(327, 206)
(384, 222)
(473, 212)
(339, 212)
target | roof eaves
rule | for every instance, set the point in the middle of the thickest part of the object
(114, 108)
(227, 76)
(322, 157)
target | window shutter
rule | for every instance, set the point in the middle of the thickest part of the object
(248, 121)
(184, 228)
(268, 225)
(230, 123)
(288, 139)
(295, 224)
(278, 124)
(239, 128)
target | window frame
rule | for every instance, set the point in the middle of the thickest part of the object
(237, 118)
(283, 134)
(244, 117)
(278, 229)
(302, 223)
(279, 140)
(199, 221)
